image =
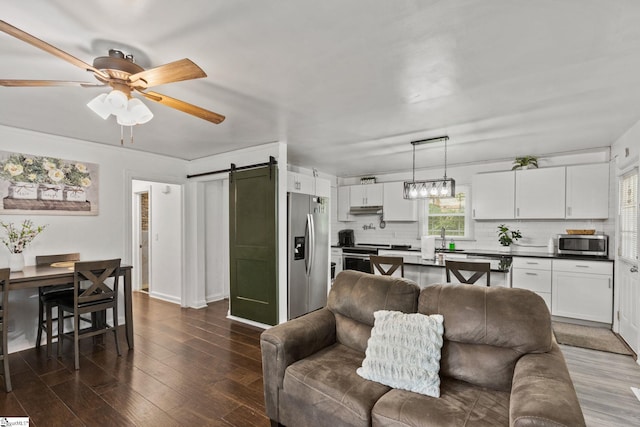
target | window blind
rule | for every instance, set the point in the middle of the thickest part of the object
(629, 215)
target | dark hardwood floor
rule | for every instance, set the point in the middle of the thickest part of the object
(197, 368)
(188, 367)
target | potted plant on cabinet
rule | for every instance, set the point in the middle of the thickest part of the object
(525, 162)
(506, 237)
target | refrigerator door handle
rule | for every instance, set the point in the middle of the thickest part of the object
(311, 243)
(306, 247)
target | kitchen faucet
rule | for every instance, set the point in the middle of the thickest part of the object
(442, 236)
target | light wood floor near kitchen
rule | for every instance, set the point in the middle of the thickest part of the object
(195, 367)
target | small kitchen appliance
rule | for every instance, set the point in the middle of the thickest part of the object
(346, 238)
(596, 245)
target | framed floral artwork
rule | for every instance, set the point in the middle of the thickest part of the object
(47, 185)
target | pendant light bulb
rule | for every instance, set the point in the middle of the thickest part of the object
(444, 190)
(423, 190)
(434, 189)
(413, 193)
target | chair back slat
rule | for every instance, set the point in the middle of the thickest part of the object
(50, 259)
(97, 273)
(387, 265)
(478, 269)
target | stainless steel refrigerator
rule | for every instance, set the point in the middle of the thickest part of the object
(308, 247)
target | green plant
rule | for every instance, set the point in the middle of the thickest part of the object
(525, 161)
(506, 237)
(17, 240)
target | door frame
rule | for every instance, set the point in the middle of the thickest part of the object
(623, 264)
(129, 215)
(137, 231)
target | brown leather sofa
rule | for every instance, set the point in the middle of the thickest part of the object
(500, 363)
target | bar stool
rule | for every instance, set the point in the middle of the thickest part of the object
(387, 265)
(47, 296)
(479, 269)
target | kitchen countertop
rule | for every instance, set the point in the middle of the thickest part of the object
(495, 253)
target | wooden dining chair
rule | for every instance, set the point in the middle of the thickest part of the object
(100, 295)
(387, 265)
(47, 296)
(478, 269)
(4, 285)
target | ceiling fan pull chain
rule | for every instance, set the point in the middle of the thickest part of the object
(121, 135)
(131, 127)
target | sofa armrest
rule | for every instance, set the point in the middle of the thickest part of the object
(542, 393)
(289, 342)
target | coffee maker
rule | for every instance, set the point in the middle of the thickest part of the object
(345, 238)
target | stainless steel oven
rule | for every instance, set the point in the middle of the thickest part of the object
(357, 258)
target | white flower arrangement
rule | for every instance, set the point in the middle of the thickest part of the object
(17, 240)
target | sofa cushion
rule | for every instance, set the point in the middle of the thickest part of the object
(326, 383)
(486, 330)
(355, 296)
(404, 351)
(459, 404)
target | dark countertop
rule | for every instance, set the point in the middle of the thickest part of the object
(530, 254)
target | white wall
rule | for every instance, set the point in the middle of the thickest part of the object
(95, 237)
(217, 239)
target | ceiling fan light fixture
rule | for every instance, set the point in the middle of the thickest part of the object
(140, 112)
(117, 100)
(99, 107)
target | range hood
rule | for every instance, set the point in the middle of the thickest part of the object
(365, 210)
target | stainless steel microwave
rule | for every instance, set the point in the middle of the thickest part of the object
(583, 244)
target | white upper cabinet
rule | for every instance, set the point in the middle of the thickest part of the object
(588, 191)
(344, 203)
(299, 183)
(493, 195)
(540, 193)
(366, 195)
(307, 184)
(323, 187)
(395, 207)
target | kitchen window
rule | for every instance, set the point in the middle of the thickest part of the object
(448, 212)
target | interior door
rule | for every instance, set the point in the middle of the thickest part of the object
(627, 259)
(253, 244)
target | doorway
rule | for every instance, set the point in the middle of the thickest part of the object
(156, 239)
(143, 236)
(627, 258)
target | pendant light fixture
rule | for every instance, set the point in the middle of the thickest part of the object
(430, 188)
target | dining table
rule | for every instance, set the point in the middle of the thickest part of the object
(35, 276)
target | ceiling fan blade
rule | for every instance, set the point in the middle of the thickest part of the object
(34, 41)
(39, 83)
(176, 71)
(184, 107)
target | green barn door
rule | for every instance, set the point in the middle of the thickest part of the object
(253, 244)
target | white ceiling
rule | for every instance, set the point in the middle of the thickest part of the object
(346, 83)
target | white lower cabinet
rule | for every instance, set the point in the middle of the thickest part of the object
(583, 290)
(533, 274)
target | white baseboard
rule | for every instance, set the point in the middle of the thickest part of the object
(165, 297)
(249, 322)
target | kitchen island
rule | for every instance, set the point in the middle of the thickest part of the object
(430, 271)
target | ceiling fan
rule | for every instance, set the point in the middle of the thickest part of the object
(124, 76)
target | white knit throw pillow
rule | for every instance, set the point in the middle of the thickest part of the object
(404, 351)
